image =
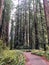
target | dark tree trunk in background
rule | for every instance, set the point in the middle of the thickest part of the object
(0, 3)
(5, 22)
(30, 41)
(4, 28)
(1, 10)
(16, 34)
(25, 25)
(36, 28)
(36, 36)
(11, 41)
(41, 18)
(3, 17)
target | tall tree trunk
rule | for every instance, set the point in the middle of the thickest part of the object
(41, 18)
(46, 9)
(1, 12)
(11, 41)
(30, 42)
(36, 30)
(25, 23)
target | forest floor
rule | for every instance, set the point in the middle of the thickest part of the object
(34, 59)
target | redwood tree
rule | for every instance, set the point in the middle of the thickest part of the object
(46, 9)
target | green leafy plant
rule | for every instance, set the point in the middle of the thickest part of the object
(12, 57)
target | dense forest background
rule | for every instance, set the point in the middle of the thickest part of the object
(27, 27)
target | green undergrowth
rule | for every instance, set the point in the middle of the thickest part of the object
(10, 57)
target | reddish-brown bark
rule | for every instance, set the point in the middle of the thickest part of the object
(46, 9)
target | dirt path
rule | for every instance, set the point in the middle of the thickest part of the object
(34, 60)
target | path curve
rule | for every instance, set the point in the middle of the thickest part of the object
(34, 60)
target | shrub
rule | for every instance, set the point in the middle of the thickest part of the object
(1, 44)
(47, 55)
(38, 52)
(41, 53)
(12, 57)
(47, 47)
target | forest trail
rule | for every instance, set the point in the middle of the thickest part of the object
(34, 60)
